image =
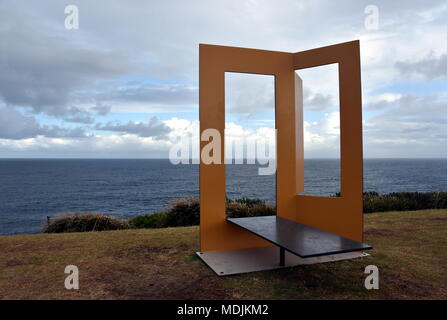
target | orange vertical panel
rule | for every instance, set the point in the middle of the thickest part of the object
(343, 215)
(215, 233)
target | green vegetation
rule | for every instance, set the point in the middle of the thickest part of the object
(183, 212)
(153, 220)
(409, 250)
(89, 221)
(186, 212)
(179, 213)
(246, 207)
(403, 201)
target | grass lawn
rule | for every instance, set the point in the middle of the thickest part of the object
(410, 251)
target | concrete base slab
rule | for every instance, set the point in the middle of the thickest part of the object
(225, 263)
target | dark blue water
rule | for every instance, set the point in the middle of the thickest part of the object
(30, 190)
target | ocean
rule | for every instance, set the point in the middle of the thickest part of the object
(32, 189)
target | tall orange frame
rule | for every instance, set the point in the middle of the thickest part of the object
(340, 215)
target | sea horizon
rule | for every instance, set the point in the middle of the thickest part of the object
(33, 188)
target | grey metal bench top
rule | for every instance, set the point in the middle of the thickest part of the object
(297, 238)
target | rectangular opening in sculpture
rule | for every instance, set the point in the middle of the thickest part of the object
(250, 137)
(321, 127)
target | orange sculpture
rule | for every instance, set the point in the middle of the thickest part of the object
(339, 215)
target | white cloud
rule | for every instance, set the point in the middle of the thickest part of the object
(381, 101)
(114, 146)
(322, 138)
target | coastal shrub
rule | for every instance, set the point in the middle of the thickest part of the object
(186, 212)
(83, 222)
(403, 201)
(183, 212)
(245, 207)
(248, 201)
(154, 220)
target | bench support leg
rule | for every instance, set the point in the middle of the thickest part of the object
(282, 257)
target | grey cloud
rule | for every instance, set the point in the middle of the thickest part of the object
(152, 128)
(418, 108)
(430, 107)
(253, 94)
(318, 101)
(44, 70)
(58, 132)
(78, 115)
(82, 118)
(378, 105)
(415, 127)
(430, 67)
(101, 109)
(15, 126)
(166, 94)
(47, 66)
(50, 69)
(248, 94)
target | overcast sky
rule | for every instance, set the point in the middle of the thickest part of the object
(125, 84)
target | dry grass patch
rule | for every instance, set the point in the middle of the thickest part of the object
(410, 251)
